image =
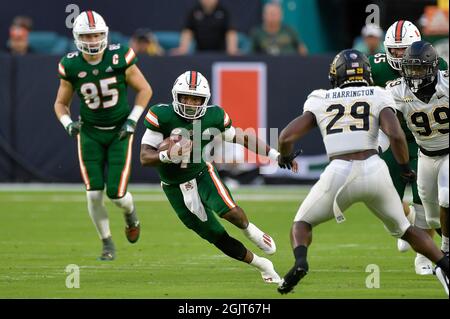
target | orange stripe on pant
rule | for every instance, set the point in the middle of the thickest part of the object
(83, 169)
(126, 170)
(221, 188)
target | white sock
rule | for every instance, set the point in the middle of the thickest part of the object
(444, 245)
(98, 213)
(259, 262)
(251, 231)
(126, 203)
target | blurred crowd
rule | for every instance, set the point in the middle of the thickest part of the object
(208, 27)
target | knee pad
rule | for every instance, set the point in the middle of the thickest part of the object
(443, 197)
(94, 198)
(231, 247)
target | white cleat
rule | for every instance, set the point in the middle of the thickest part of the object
(268, 273)
(442, 278)
(423, 265)
(265, 243)
(403, 245)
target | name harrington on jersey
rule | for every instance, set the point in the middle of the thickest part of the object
(352, 93)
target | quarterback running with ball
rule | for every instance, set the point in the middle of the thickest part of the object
(191, 184)
(100, 74)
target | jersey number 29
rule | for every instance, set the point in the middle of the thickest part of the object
(360, 111)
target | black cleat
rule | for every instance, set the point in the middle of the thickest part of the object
(108, 251)
(291, 279)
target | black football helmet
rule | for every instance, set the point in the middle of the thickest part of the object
(350, 67)
(420, 65)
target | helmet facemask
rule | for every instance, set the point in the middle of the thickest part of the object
(394, 61)
(418, 74)
(190, 111)
(88, 47)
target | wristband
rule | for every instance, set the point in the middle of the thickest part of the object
(136, 113)
(65, 120)
(273, 154)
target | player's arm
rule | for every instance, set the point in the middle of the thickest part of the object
(137, 81)
(150, 153)
(149, 148)
(250, 142)
(391, 127)
(62, 108)
(294, 131)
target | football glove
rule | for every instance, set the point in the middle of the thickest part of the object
(127, 129)
(407, 174)
(286, 161)
(73, 129)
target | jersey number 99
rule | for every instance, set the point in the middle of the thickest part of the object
(422, 121)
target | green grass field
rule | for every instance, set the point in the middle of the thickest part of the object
(42, 231)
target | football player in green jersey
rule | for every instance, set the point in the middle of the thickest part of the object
(191, 184)
(100, 75)
(386, 67)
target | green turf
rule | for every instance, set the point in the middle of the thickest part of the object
(41, 232)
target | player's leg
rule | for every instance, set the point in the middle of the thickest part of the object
(212, 231)
(388, 208)
(400, 186)
(317, 208)
(119, 169)
(216, 196)
(443, 185)
(422, 264)
(91, 155)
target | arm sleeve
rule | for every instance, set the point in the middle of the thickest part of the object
(151, 120)
(225, 121)
(129, 56)
(229, 134)
(62, 70)
(152, 138)
(386, 98)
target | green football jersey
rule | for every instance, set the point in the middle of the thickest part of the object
(102, 88)
(382, 73)
(163, 119)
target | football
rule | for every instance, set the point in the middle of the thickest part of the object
(169, 142)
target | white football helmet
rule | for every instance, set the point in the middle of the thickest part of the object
(89, 22)
(399, 35)
(191, 83)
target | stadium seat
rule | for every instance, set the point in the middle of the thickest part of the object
(117, 37)
(170, 39)
(244, 43)
(48, 42)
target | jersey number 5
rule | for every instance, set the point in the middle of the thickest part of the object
(360, 111)
(91, 93)
(422, 121)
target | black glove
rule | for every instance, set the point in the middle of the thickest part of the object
(74, 128)
(286, 161)
(127, 129)
(407, 174)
